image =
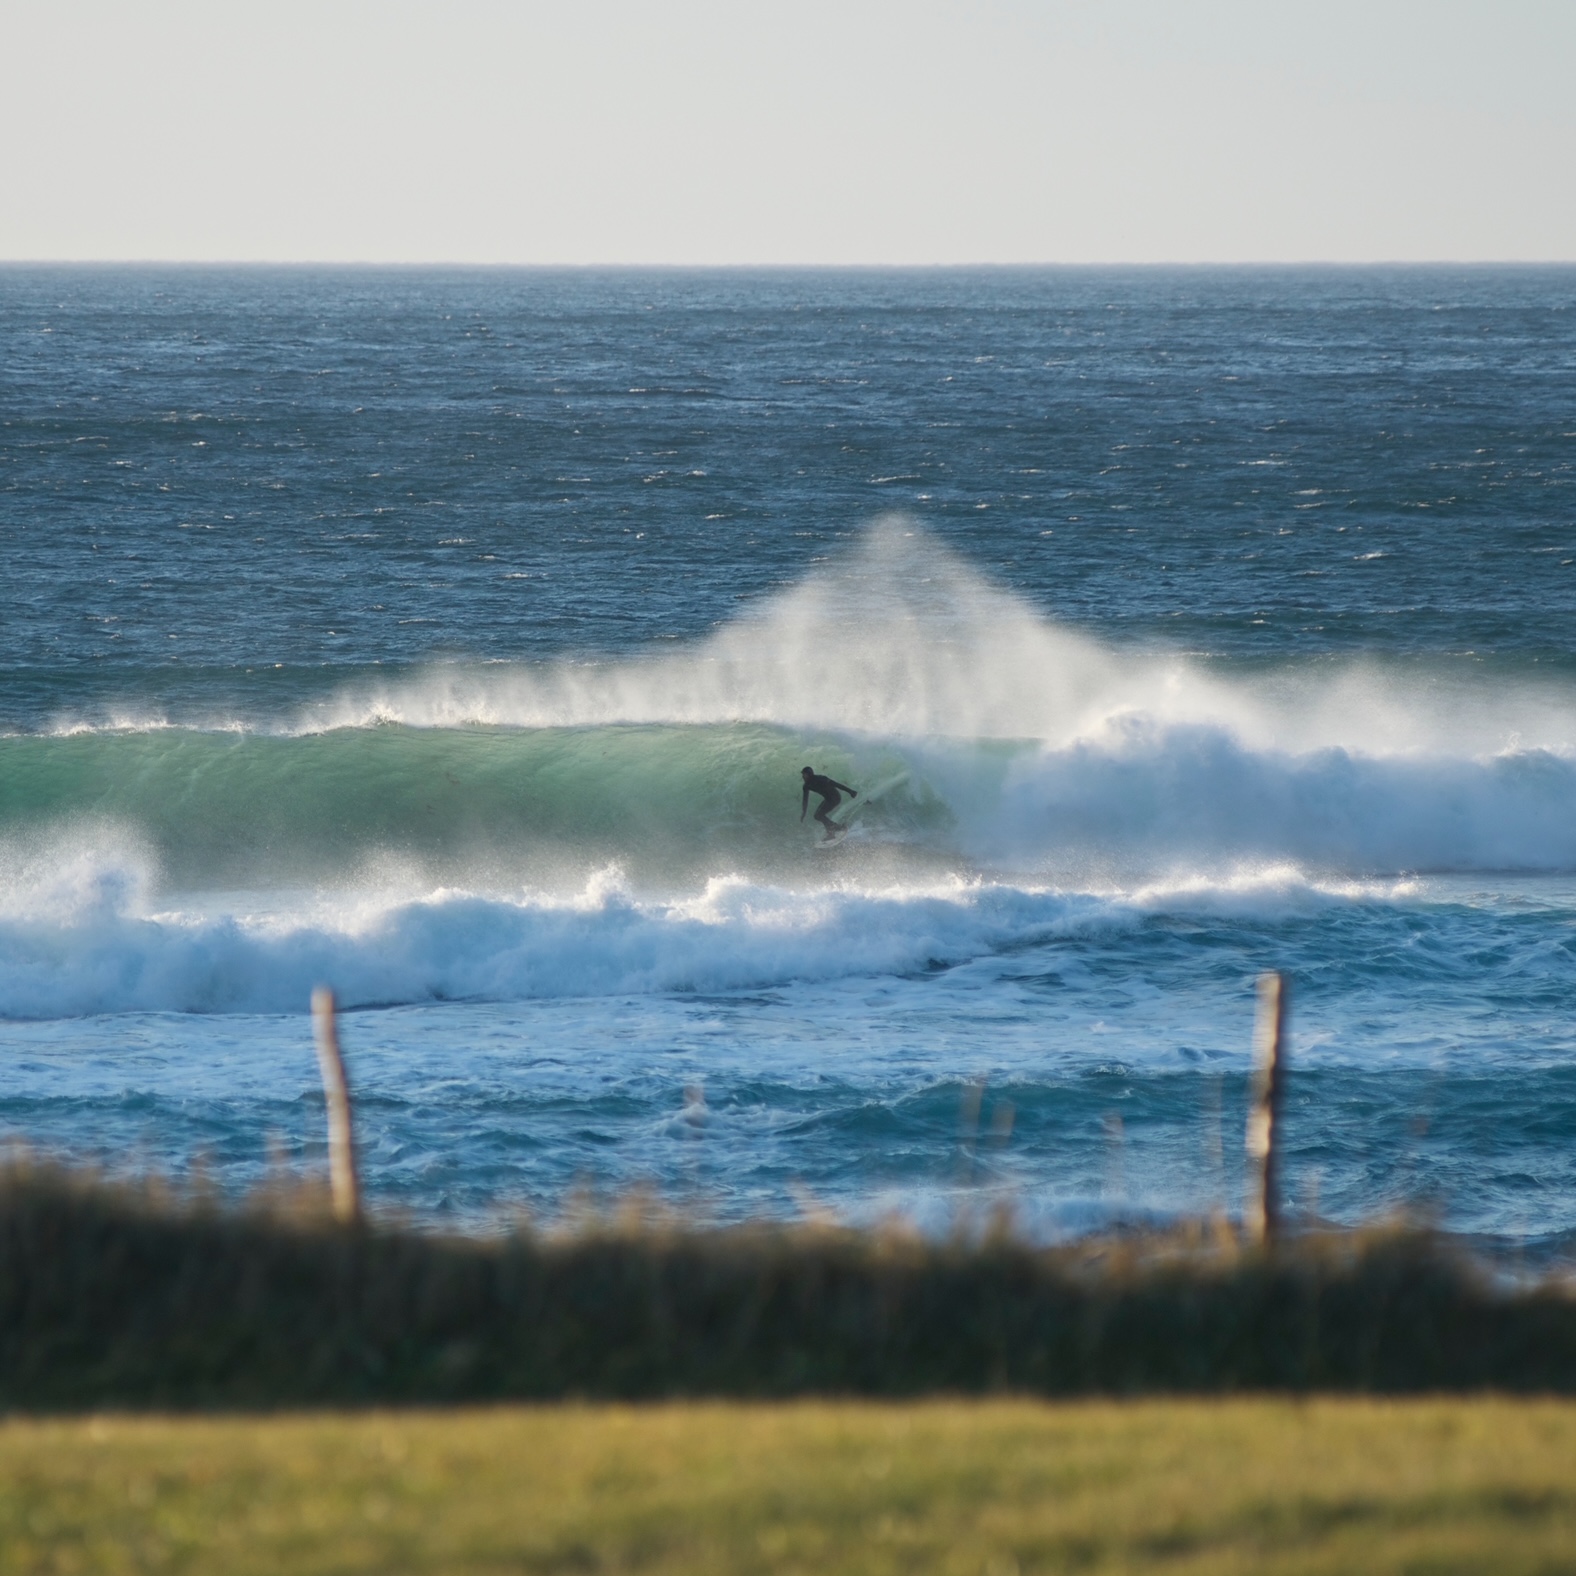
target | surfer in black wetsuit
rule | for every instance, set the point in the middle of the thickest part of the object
(831, 796)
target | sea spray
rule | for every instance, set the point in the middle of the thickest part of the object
(901, 637)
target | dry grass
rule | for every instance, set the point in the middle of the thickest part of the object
(987, 1489)
(115, 1296)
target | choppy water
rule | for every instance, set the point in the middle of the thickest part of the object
(456, 638)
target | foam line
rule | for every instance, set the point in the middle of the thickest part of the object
(88, 943)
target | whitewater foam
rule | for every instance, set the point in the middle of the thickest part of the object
(101, 944)
(1141, 795)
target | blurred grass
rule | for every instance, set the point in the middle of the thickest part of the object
(127, 1295)
(986, 1488)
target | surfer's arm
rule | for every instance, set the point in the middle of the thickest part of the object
(846, 789)
(804, 803)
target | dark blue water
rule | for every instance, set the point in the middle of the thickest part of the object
(455, 638)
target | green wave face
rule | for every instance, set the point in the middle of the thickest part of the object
(663, 801)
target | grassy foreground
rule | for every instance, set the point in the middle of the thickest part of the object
(984, 1488)
(111, 1297)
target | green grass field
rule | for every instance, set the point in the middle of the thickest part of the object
(985, 1488)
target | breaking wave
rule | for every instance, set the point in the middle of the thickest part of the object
(442, 833)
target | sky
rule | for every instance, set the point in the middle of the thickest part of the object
(736, 132)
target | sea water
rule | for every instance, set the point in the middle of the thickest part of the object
(455, 639)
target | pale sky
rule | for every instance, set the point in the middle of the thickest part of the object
(727, 131)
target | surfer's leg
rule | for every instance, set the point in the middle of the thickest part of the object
(824, 816)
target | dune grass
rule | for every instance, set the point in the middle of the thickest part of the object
(986, 1488)
(124, 1296)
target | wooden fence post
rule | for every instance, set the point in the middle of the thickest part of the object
(1261, 1208)
(336, 1091)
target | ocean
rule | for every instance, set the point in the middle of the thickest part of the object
(455, 638)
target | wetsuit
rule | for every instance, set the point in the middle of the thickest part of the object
(831, 796)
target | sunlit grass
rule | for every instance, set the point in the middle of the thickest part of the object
(993, 1487)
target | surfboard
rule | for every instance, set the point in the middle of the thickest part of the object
(821, 844)
(883, 788)
(872, 796)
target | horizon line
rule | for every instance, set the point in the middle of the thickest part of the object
(764, 266)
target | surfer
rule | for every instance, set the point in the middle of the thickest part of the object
(831, 796)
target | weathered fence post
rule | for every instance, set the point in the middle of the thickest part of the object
(1261, 1208)
(336, 1091)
